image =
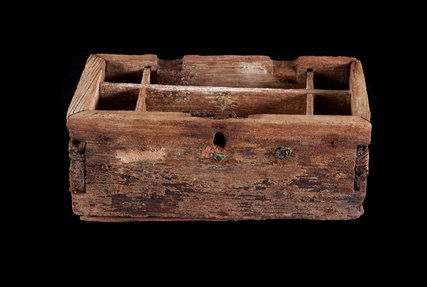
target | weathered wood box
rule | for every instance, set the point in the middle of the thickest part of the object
(219, 138)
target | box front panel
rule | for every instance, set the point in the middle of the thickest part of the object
(176, 170)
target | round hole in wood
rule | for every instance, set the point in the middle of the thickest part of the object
(219, 140)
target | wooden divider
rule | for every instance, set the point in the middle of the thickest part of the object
(240, 101)
(310, 98)
(141, 105)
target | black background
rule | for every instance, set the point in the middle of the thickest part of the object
(373, 73)
(274, 34)
(321, 241)
(53, 56)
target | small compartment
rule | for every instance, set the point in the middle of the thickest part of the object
(128, 68)
(332, 79)
(118, 72)
(117, 76)
(117, 97)
(332, 104)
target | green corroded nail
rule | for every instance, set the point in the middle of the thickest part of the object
(282, 153)
(218, 156)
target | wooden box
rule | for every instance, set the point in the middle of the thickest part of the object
(219, 138)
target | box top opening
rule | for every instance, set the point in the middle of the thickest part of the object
(229, 86)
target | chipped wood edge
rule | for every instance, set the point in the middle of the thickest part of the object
(87, 92)
(359, 95)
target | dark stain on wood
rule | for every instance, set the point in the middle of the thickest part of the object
(214, 115)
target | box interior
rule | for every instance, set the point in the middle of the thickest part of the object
(221, 85)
